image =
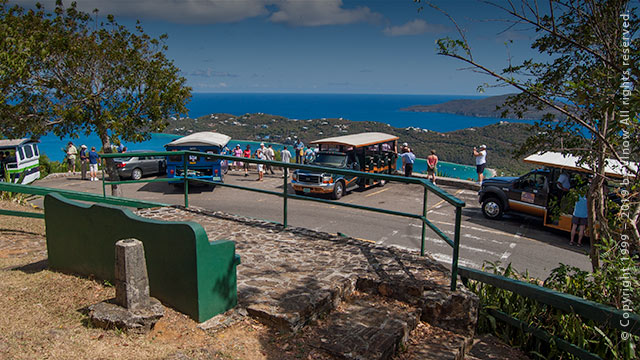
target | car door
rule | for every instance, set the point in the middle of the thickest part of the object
(529, 193)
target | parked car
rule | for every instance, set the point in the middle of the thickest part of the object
(532, 193)
(367, 152)
(135, 167)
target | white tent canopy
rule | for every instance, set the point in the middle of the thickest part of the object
(204, 138)
(357, 140)
(554, 159)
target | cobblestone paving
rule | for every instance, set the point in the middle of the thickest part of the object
(290, 277)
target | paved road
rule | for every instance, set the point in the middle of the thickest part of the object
(520, 240)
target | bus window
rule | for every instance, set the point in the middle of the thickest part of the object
(35, 149)
(20, 154)
(28, 151)
(175, 158)
(210, 158)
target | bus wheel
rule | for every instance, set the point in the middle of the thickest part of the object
(338, 190)
(492, 208)
(382, 183)
(136, 174)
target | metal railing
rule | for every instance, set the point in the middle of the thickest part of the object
(427, 186)
(603, 314)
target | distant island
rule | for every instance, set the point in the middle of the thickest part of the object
(487, 107)
(455, 146)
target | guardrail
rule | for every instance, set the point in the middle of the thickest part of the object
(428, 187)
(609, 316)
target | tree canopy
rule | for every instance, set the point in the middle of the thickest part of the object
(68, 72)
(588, 70)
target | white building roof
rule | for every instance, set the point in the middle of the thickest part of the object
(204, 138)
(357, 140)
(11, 143)
(555, 159)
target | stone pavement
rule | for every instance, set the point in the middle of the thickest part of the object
(363, 299)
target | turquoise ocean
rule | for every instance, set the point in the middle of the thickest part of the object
(355, 107)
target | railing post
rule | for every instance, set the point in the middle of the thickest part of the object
(285, 194)
(424, 225)
(456, 249)
(104, 189)
(186, 183)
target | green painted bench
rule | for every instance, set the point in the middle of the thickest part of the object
(186, 271)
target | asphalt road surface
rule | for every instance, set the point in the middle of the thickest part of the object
(520, 240)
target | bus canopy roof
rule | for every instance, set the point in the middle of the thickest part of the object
(554, 159)
(358, 140)
(204, 138)
(12, 143)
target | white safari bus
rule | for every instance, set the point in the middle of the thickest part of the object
(20, 160)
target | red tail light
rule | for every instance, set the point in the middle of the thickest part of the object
(121, 165)
(171, 171)
(216, 171)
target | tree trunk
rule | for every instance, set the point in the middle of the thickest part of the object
(110, 167)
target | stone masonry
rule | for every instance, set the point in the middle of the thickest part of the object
(290, 277)
(132, 309)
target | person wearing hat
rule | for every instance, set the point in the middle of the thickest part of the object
(260, 155)
(84, 161)
(481, 160)
(71, 157)
(237, 152)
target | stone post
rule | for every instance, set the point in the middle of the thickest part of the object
(132, 281)
(132, 308)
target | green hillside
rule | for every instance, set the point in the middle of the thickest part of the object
(455, 146)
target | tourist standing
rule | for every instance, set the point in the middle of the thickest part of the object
(579, 220)
(286, 158)
(71, 157)
(246, 154)
(408, 158)
(93, 164)
(309, 156)
(84, 161)
(260, 155)
(299, 149)
(481, 161)
(270, 154)
(432, 166)
(237, 152)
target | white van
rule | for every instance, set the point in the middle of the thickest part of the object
(19, 159)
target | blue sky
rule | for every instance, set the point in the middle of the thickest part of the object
(320, 46)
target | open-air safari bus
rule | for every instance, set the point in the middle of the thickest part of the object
(198, 167)
(368, 152)
(19, 159)
(535, 192)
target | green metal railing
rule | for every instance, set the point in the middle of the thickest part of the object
(427, 186)
(606, 315)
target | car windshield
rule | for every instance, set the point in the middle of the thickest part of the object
(330, 160)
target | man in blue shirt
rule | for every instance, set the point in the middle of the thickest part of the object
(408, 158)
(93, 164)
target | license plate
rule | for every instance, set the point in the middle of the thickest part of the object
(307, 190)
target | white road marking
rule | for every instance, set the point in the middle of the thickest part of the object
(517, 236)
(446, 259)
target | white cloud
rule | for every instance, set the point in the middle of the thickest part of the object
(321, 12)
(290, 12)
(414, 27)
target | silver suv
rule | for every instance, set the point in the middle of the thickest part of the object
(134, 167)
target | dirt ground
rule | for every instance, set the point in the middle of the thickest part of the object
(43, 315)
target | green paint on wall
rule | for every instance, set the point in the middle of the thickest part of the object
(186, 271)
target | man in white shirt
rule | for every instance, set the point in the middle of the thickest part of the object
(270, 155)
(286, 158)
(481, 161)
